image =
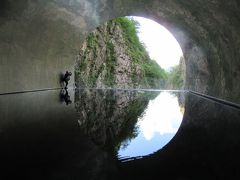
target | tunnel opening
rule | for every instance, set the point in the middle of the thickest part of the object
(131, 53)
(43, 138)
(116, 56)
(211, 62)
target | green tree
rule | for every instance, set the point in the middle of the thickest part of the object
(152, 73)
(175, 78)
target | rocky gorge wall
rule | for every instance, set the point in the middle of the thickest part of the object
(103, 59)
(113, 56)
(41, 39)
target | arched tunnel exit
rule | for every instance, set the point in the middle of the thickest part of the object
(43, 135)
(40, 40)
(130, 53)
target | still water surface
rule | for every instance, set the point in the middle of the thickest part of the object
(156, 127)
(43, 137)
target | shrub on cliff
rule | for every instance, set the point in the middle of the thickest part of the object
(153, 74)
(103, 58)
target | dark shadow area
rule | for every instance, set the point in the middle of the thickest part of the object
(40, 139)
(61, 77)
(12, 9)
(4, 7)
(65, 97)
(64, 78)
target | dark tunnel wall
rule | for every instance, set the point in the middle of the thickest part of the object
(41, 39)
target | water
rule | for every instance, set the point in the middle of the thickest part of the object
(156, 127)
(43, 137)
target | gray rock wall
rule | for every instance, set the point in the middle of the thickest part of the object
(104, 60)
(107, 60)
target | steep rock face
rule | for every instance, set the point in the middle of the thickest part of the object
(182, 66)
(106, 60)
(103, 59)
(197, 71)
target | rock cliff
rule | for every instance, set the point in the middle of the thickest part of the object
(113, 56)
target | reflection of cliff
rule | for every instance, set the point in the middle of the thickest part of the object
(108, 116)
(181, 100)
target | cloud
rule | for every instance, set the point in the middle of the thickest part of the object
(162, 116)
(160, 43)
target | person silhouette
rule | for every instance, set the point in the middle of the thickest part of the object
(66, 78)
(65, 97)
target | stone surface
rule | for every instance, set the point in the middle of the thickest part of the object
(104, 61)
(41, 39)
(97, 59)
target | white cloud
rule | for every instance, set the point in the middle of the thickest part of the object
(162, 116)
(160, 43)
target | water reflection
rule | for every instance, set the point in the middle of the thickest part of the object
(65, 97)
(40, 140)
(158, 125)
(109, 117)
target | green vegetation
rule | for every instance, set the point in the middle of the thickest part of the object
(136, 49)
(91, 40)
(92, 43)
(87, 62)
(150, 72)
(175, 78)
(101, 47)
(154, 72)
(110, 65)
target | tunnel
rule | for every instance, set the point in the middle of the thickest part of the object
(41, 39)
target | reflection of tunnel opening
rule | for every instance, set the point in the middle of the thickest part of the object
(156, 127)
(39, 39)
(130, 52)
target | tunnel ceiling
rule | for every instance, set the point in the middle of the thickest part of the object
(41, 39)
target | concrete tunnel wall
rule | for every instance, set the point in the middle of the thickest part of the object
(41, 39)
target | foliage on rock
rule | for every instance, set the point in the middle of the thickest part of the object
(113, 56)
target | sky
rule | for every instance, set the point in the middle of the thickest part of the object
(160, 43)
(162, 116)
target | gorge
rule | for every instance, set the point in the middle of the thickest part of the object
(113, 56)
(42, 137)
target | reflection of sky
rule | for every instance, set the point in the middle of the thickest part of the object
(157, 127)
